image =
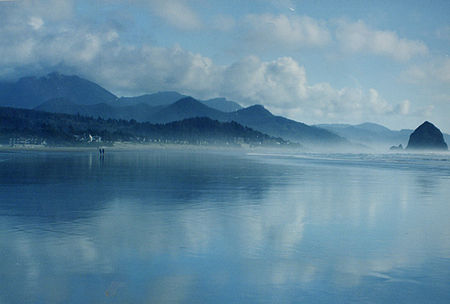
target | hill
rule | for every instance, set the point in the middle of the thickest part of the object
(140, 112)
(30, 92)
(369, 134)
(169, 97)
(64, 129)
(261, 119)
(187, 107)
(222, 104)
(255, 117)
(155, 99)
(372, 135)
(58, 93)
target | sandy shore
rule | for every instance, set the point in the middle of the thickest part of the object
(37, 148)
(128, 147)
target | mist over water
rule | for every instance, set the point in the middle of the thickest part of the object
(174, 226)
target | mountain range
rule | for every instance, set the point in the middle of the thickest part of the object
(30, 92)
(58, 93)
(169, 97)
(23, 126)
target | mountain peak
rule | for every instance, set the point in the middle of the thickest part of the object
(187, 100)
(30, 92)
(161, 98)
(218, 99)
(370, 126)
(186, 107)
(54, 75)
(57, 76)
(257, 109)
(222, 104)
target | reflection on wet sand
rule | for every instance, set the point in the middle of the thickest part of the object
(193, 227)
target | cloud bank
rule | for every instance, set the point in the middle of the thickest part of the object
(289, 31)
(358, 37)
(436, 71)
(176, 12)
(38, 41)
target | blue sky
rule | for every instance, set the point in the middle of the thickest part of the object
(312, 61)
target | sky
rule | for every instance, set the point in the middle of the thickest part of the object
(312, 61)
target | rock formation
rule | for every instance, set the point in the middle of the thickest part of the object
(427, 137)
(395, 148)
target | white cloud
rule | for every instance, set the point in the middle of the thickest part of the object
(54, 10)
(442, 72)
(152, 68)
(358, 37)
(377, 104)
(435, 71)
(426, 111)
(36, 23)
(100, 54)
(291, 31)
(403, 107)
(177, 13)
(280, 82)
(323, 102)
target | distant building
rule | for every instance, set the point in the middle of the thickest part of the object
(26, 141)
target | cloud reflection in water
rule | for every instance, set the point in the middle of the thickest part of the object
(174, 227)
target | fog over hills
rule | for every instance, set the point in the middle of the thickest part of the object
(372, 135)
(73, 95)
(59, 93)
(140, 112)
(222, 104)
(261, 119)
(155, 99)
(256, 117)
(169, 97)
(187, 107)
(22, 125)
(29, 92)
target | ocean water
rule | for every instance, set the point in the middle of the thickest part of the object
(172, 226)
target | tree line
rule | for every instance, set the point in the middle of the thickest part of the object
(66, 129)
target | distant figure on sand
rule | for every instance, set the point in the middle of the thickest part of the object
(101, 151)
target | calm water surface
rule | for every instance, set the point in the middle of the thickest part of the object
(164, 226)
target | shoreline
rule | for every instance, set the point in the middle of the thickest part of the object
(132, 147)
(123, 147)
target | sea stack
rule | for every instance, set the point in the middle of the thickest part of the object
(427, 137)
